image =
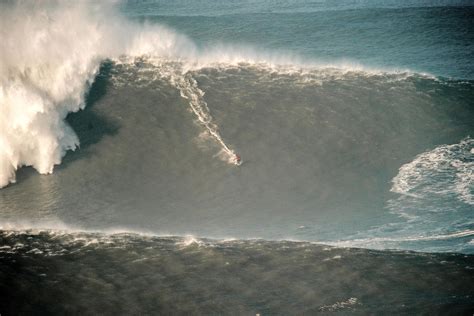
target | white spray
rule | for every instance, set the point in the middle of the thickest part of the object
(50, 53)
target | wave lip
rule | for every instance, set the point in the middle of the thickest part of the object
(45, 67)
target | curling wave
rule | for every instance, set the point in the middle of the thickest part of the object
(51, 52)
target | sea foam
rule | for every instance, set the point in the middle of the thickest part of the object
(444, 171)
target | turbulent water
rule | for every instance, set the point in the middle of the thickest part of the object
(349, 125)
(57, 273)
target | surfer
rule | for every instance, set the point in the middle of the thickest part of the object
(238, 160)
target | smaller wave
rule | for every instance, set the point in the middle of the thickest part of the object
(444, 172)
(461, 241)
(433, 207)
(373, 240)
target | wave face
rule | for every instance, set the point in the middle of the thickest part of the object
(50, 59)
(332, 150)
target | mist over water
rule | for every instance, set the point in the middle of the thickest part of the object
(333, 150)
(179, 275)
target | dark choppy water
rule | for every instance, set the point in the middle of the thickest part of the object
(57, 273)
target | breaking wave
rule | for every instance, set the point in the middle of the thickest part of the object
(433, 175)
(52, 51)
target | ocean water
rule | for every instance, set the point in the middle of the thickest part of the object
(122, 124)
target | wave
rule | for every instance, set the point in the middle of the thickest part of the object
(437, 187)
(58, 230)
(52, 51)
(398, 241)
(443, 171)
(435, 194)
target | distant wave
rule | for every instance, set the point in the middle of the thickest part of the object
(395, 242)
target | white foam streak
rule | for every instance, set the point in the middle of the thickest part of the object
(371, 241)
(189, 89)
